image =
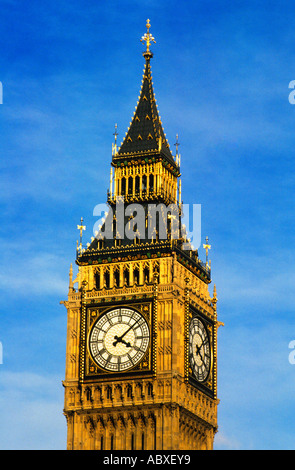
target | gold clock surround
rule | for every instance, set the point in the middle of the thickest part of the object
(93, 314)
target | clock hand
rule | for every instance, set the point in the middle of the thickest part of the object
(119, 339)
(198, 350)
(129, 328)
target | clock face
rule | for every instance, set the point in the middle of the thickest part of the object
(119, 339)
(199, 350)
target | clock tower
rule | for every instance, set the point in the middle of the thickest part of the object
(141, 353)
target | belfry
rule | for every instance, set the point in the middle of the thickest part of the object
(141, 353)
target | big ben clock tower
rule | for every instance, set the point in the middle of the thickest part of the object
(141, 354)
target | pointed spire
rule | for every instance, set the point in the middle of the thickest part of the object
(71, 285)
(214, 302)
(215, 293)
(145, 134)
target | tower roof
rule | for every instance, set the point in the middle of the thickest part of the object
(145, 134)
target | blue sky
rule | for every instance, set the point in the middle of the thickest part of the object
(221, 70)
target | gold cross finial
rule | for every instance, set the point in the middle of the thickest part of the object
(207, 247)
(81, 228)
(148, 38)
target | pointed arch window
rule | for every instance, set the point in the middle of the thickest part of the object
(150, 390)
(136, 276)
(117, 278)
(126, 277)
(123, 186)
(130, 185)
(107, 280)
(97, 280)
(129, 391)
(146, 274)
(109, 393)
(151, 182)
(137, 183)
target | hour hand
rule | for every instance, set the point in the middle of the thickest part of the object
(120, 340)
(198, 348)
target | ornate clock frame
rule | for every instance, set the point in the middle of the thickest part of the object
(88, 369)
(207, 386)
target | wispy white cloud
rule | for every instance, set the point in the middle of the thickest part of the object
(223, 442)
(262, 280)
(33, 273)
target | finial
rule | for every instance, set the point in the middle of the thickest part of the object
(71, 288)
(116, 133)
(207, 247)
(148, 38)
(177, 144)
(114, 146)
(81, 227)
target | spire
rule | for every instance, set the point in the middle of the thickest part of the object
(145, 134)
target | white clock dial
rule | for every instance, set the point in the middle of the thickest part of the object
(119, 339)
(199, 350)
